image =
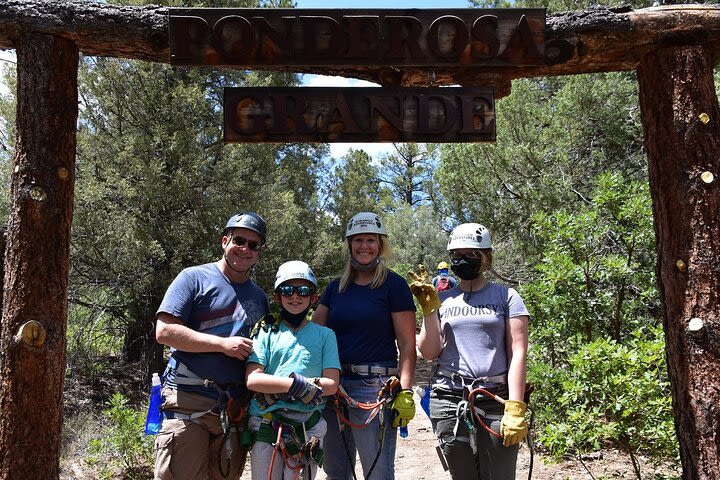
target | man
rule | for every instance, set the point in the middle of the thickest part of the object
(443, 281)
(206, 318)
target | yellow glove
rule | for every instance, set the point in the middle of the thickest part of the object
(513, 426)
(423, 290)
(403, 408)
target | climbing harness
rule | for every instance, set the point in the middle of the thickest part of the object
(287, 436)
(232, 412)
(472, 416)
(290, 438)
(471, 401)
(385, 396)
(469, 382)
(367, 370)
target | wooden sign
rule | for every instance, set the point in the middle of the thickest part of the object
(317, 37)
(310, 114)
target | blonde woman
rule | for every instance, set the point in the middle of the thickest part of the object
(371, 310)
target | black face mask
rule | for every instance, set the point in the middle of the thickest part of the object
(467, 268)
(294, 319)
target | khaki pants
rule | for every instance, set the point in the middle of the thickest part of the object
(195, 449)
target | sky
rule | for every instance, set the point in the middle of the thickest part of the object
(336, 149)
(5, 56)
(382, 4)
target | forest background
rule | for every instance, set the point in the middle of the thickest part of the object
(563, 191)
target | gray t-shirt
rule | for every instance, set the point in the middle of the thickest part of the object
(474, 327)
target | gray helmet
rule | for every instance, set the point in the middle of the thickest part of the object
(469, 235)
(295, 270)
(365, 222)
(250, 220)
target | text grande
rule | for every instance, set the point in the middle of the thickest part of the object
(310, 114)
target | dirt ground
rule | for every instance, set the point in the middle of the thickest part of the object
(417, 459)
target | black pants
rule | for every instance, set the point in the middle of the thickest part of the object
(492, 461)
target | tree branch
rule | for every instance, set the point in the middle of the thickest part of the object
(588, 41)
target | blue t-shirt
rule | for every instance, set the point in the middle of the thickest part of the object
(361, 318)
(308, 352)
(206, 301)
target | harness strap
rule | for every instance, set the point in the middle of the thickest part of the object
(268, 426)
(185, 376)
(268, 322)
(185, 416)
(293, 430)
(470, 381)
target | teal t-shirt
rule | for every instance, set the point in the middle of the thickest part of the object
(308, 352)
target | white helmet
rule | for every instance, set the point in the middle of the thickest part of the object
(365, 222)
(294, 270)
(469, 235)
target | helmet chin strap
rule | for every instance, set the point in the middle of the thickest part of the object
(365, 268)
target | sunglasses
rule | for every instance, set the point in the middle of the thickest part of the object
(288, 290)
(240, 241)
(473, 254)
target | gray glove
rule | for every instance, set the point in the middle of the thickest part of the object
(308, 392)
(264, 400)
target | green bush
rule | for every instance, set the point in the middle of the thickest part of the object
(124, 451)
(610, 394)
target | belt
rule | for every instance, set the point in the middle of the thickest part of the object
(470, 380)
(185, 376)
(367, 370)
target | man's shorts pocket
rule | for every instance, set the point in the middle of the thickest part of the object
(163, 455)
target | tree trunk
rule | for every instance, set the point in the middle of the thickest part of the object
(37, 259)
(139, 340)
(682, 137)
(139, 344)
(598, 39)
(3, 236)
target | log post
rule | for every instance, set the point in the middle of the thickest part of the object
(3, 233)
(34, 313)
(681, 117)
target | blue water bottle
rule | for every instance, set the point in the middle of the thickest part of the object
(424, 394)
(153, 420)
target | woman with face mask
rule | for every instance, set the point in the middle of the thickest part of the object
(478, 332)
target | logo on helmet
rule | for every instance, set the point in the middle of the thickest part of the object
(478, 237)
(364, 223)
(464, 236)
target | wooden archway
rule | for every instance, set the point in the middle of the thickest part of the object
(672, 49)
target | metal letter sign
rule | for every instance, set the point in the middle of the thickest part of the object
(247, 38)
(363, 37)
(311, 114)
